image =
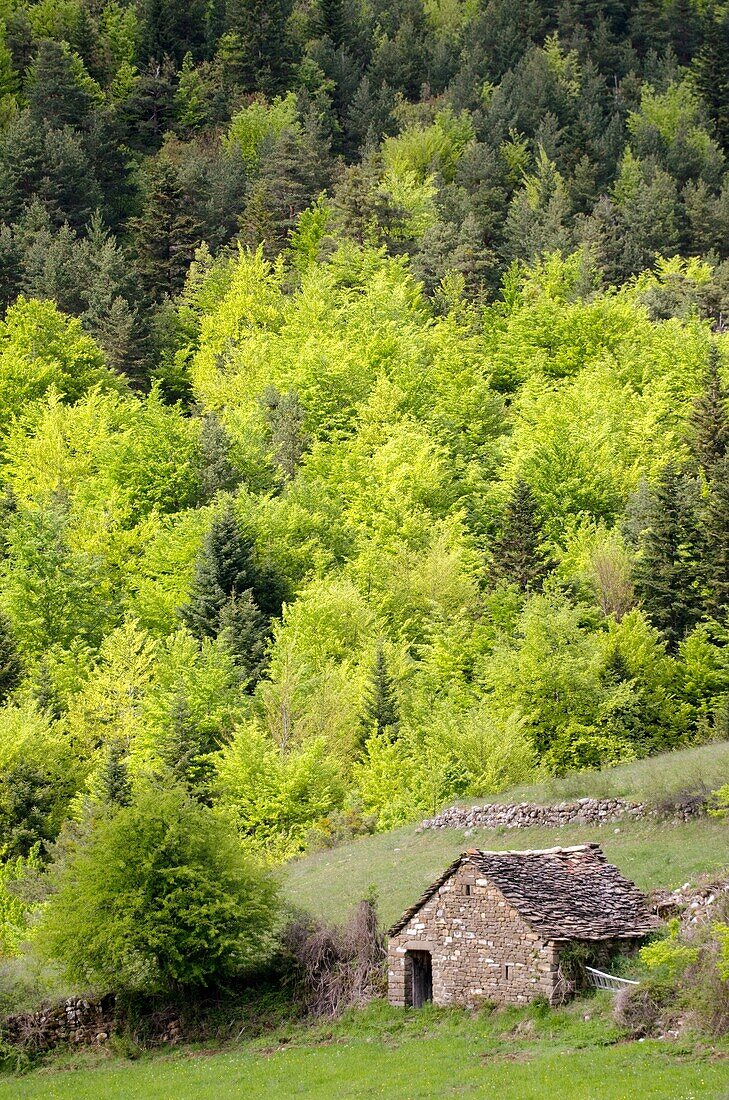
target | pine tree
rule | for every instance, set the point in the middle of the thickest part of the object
(284, 416)
(717, 540)
(217, 475)
(711, 71)
(381, 714)
(165, 235)
(10, 666)
(709, 419)
(226, 568)
(185, 750)
(114, 785)
(518, 552)
(669, 568)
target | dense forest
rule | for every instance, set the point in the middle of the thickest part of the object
(364, 434)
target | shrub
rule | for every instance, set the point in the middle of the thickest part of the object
(338, 967)
(156, 897)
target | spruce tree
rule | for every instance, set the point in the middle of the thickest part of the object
(332, 21)
(669, 569)
(217, 475)
(186, 749)
(381, 714)
(717, 540)
(226, 567)
(709, 419)
(114, 785)
(10, 667)
(284, 415)
(711, 71)
(254, 51)
(165, 234)
(244, 631)
(518, 552)
(56, 93)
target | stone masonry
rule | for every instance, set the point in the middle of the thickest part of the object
(481, 948)
(494, 925)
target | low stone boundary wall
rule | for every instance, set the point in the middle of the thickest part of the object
(75, 1021)
(523, 815)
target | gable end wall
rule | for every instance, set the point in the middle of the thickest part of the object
(473, 938)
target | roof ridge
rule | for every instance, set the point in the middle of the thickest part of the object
(530, 851)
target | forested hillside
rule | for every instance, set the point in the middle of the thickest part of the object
(363, 412)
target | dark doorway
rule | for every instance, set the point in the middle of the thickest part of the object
(421, 978)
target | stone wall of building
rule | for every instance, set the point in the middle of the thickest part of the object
(481, 948)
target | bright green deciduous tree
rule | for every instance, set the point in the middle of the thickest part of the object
(157, 897)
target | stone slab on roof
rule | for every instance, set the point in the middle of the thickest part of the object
(563, 893)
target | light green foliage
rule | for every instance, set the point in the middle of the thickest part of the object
(721, 931)
(40, 349)
(309, 233)
(14, 911)
(261, 122)
(420, 151)
(156, 897)
(409, 432)
(668, 956)
(720, 800)
(275, 798)
(448, 754)
(677, 115)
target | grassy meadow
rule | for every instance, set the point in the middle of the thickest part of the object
(575, 1053)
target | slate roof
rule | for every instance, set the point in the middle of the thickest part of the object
(562, 893)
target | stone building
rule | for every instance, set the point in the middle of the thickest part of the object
(494, 926)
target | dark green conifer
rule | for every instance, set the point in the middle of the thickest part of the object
(381, 712)
(669, 571)
(226, 567)
(114, 786)
(186, 749)
(217, 475)
(284, 415)
(244, 631)
(518, 552)
(717, 539)
(10, 666)
(164, 233)
(255, 50)
(709, 419)
(711, 70)
(55, 93)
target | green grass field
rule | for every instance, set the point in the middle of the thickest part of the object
(407, 1055)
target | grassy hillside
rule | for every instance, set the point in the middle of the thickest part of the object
(398, 865)
(575, 1053)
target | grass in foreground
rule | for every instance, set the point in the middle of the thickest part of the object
(400, 864)
(576, 1053)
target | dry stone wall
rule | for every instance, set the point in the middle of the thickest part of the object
(76, 1021)
(522, 815)
(481, 948)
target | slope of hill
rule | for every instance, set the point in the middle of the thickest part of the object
(396, 866)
